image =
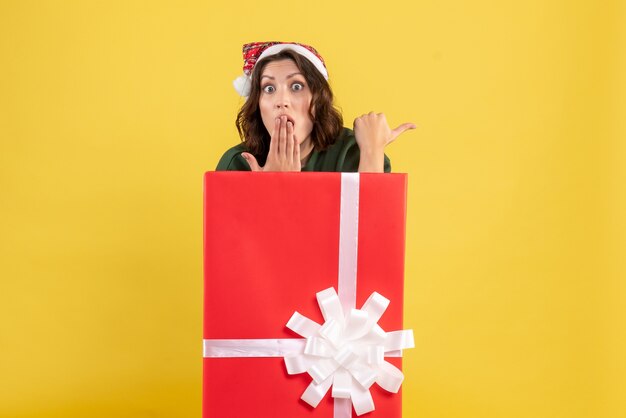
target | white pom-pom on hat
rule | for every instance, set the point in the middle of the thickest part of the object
(243, 85)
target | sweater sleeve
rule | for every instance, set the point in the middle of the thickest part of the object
(233, 161)
(387, 164)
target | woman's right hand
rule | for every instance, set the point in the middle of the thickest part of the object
(284, 153)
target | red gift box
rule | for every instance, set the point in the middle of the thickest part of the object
(271, 242)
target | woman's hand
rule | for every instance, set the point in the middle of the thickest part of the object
(373, 134)
(284, 153)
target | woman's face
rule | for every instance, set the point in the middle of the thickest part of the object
(284, 91)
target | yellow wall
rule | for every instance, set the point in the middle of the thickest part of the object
(110, 112)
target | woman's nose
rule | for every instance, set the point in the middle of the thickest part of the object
(282, 100)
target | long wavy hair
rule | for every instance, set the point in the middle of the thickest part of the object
(327, 120)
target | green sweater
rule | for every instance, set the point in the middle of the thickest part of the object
(342, 156)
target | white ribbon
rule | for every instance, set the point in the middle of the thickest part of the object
(346, 352)
(274, 347)
(348, 239)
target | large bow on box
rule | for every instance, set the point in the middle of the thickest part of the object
(347, 352)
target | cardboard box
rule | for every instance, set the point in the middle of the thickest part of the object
(271, 242)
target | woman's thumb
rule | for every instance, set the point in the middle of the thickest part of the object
(254, 165)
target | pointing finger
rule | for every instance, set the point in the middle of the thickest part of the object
(400, 129)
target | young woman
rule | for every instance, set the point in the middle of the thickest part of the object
(289, 122)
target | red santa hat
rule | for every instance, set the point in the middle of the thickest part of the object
(256, 51)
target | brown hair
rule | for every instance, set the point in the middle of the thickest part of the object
(327, 120)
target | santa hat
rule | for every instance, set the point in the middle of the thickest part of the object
(256, 51)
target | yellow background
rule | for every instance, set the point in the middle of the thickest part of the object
(110, 112)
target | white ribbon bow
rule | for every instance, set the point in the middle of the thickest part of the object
(347, 352)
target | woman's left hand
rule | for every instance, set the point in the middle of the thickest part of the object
(373, 134)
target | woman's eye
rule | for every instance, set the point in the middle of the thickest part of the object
(269, 89)
(297, 86)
